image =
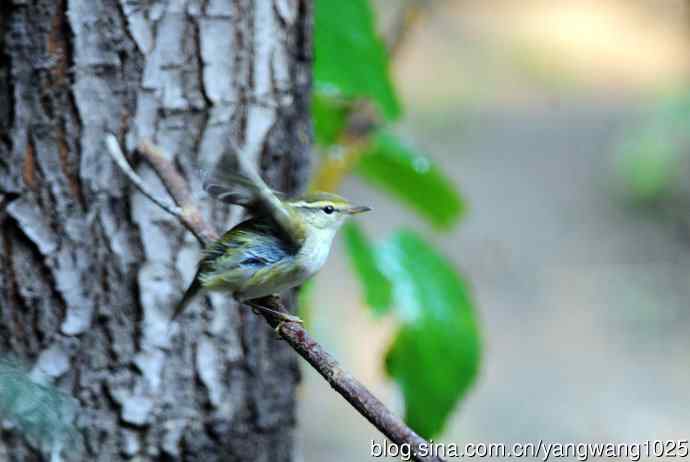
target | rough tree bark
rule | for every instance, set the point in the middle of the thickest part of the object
(90, 270)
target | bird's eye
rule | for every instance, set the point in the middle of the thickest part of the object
(328, 209)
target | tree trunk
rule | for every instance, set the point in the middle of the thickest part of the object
(90, 270)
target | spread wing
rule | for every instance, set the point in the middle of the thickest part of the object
(241, 253)
(250, 253)
(250, 191)
(233, 188)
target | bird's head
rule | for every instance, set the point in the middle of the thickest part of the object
(325, 210)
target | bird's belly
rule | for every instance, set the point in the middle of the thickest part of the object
(288, 273)
(281, 280)
(287, 277)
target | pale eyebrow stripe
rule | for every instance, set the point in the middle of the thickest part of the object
(315, 205)
(300, 204)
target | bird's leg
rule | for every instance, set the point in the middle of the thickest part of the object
(283, 317)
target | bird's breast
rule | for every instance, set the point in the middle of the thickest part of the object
(314, 252)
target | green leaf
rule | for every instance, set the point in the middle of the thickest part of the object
(435, 356)
(649, 165)
(349, 55)
(377, 290)
(649, 159)
(305, 302)
(330, 115)
(401, 170)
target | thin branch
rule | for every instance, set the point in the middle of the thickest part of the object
(186, 212)
(116, 153)
(368, 405)
(293, 333)
(176, 185)
(406, 17)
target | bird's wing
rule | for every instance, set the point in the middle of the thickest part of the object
(233, 188)
(249, 190)
(241, 252)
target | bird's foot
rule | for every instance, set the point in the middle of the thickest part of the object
(283, 317)
(287, 319)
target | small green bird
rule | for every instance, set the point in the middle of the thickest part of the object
(284, 243)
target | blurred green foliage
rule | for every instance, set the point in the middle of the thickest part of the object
(329, 113)
(410, 176)
(305, 305)
(350, 56)
(378, 292)
(649, 159)
(434, 356)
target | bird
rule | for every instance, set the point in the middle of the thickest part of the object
(283, 243)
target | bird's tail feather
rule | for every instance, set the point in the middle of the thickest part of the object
(189, 294)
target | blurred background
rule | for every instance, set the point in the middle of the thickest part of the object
(563, 123)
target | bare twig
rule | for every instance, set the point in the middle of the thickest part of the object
(293, 333)
(119, 158)
(345, 384)
(406, 16)
(179, 190)
(186, 212)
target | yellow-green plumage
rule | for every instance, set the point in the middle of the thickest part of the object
(285, 243)
(246, 256)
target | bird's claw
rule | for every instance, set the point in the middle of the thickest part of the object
(281, 316)
(285, 318)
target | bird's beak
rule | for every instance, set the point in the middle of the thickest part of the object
(357, 209)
